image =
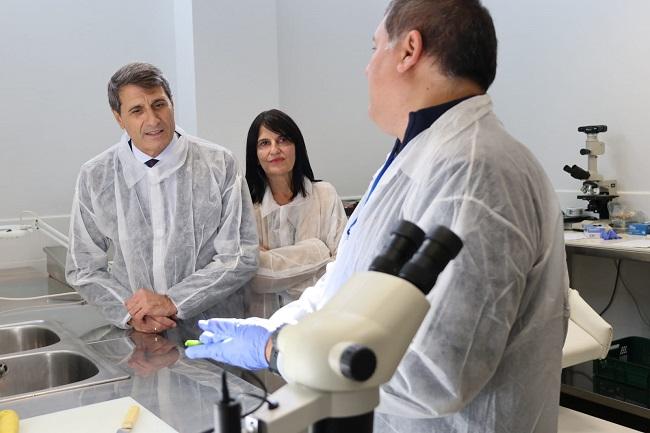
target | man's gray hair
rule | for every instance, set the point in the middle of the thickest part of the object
(139, 74)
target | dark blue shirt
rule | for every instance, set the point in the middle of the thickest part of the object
(423, 119)
(418, 122)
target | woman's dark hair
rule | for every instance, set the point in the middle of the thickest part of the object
(278, 122)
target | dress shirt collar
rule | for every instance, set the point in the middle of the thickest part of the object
(143, 157)
(269, 204)
(423, 119)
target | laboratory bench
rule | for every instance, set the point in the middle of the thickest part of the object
(579, 384)
(182, 392)
(628, 248)
(179, 391)
(636, 248)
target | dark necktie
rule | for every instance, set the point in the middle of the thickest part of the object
(151, 162)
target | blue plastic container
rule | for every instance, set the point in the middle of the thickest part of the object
(640, 229)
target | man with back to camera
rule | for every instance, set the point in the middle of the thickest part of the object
(487, 357)
(174, 209)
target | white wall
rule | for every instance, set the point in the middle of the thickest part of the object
(56, 60)
(220, 58)
(561, 64)
(236, 52)
(185, 96)
(323, 51)
(565, 64)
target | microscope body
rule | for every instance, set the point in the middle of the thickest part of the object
(594, 148)
(375, 310)
(595, 190)
(325, 357)
(335, 359)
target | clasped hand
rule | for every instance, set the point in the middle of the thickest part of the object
(151, 312)
(240, 342)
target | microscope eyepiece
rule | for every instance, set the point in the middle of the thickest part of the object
(592, 129)
(403, 243)
(415, 257)
(577, 172)
(438, 249)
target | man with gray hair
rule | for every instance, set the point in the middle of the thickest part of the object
(173, 210)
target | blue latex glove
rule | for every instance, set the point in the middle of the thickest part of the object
(239, 342)
(609, 235)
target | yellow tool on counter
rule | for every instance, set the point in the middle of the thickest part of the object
(8, 421)
(129, 419)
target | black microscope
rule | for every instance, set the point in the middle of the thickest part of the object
(595, 190)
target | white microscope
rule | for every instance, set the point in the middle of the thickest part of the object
(335, 360)
(597, 191)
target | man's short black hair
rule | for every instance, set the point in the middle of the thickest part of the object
(459, 34)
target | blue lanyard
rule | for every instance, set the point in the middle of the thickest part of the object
(389, 160)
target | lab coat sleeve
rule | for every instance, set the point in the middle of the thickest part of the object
(309, 301)
(87, 260)
(297, 266)
(236, 257)
(473, 306)
(335, 219)
(284, 267)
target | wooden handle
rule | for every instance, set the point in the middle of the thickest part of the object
(131, 417)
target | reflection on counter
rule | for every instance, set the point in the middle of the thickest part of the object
(161, 379)
(26, 288)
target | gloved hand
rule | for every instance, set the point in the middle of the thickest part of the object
(239, 342)
(609, 235)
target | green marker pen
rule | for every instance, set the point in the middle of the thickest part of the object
(190, 343)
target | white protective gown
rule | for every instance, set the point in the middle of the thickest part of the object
(487, 356)
(184, 228)
(301, 237)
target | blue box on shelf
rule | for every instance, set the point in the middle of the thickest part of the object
(640, 229)
(594, 230)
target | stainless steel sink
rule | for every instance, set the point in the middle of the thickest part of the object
(66, 363)
(25, 337)
(38, 371)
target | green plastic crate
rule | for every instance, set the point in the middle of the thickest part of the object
(622, 392)
(627, 363)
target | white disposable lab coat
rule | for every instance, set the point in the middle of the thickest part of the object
(301, 237)
(184, 228)
(487, 356)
